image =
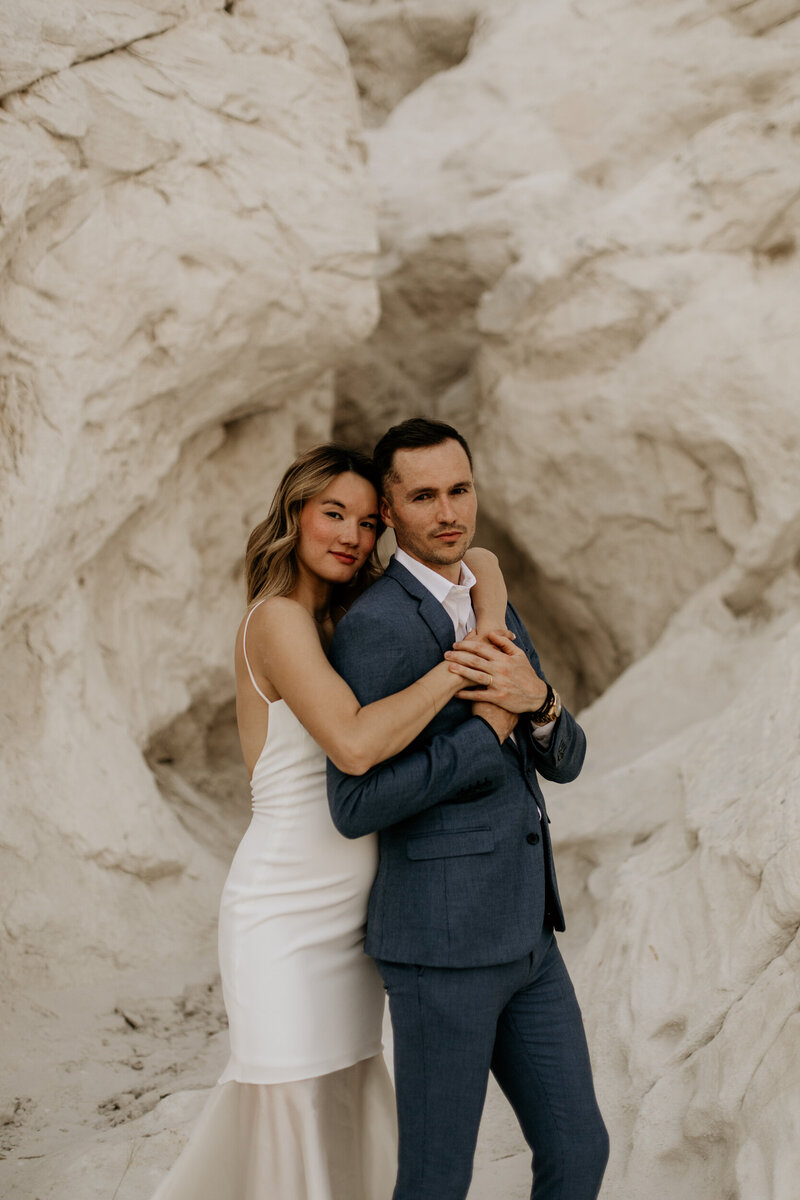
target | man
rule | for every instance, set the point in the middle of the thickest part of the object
(464, 906)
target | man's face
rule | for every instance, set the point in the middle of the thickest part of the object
(431, 504)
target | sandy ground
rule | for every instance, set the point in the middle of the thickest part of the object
(99, 1088)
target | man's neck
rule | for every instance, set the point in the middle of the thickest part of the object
(449, 571)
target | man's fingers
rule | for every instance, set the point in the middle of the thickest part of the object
(479, 649)
(474, 694)
(467, 659)
(473, 673)
(503, 640)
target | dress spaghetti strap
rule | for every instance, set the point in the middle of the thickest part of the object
(247, 660)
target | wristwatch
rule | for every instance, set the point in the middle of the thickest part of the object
(549, 711)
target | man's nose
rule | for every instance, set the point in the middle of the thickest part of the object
(446, 513)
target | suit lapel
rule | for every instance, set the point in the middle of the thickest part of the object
(430, 609)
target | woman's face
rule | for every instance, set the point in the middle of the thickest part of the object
(338, 528)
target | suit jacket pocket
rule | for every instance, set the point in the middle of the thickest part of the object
(447, 843)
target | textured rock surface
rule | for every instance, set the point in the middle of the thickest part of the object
(589, 230)
(593, 269)
(185, 253)
(394, 45)
(682, 847)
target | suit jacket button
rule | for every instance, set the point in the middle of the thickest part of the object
(560, 754)
(532, 838)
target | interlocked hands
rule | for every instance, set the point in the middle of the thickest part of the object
(511, 681)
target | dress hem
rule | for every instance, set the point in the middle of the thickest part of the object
(236, 1073)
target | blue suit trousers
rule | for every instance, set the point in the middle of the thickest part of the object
(521, 1020)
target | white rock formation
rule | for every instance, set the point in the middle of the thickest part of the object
(681, 844)
(564, 216)
(186, 250)
(589, 232)
(589, 228)
(395, 45)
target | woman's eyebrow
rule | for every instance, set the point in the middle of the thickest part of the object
(338, 504)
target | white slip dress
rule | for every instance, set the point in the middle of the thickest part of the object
(305, 1108)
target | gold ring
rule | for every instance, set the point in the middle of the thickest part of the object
(491, 681)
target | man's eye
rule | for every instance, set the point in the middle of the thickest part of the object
(460, 491)
(422, 496)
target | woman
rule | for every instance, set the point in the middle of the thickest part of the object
(304, 1109)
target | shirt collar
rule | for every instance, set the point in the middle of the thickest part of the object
(432, 580)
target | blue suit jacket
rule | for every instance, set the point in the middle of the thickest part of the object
(459, 882)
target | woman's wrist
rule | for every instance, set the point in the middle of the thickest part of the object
(450, 681)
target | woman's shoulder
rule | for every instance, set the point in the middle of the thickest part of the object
(275, 614)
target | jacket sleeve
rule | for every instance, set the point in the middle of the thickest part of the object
(462, 763)
(562, 760)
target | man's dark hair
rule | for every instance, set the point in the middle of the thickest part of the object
(412, 434)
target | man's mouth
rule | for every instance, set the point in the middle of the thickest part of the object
(449, 535)
(349, 559)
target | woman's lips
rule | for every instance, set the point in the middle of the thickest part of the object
(349, 559)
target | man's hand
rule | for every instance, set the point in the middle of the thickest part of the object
(501, 721)
(515, 685)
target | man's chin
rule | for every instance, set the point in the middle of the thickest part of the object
(445, 555)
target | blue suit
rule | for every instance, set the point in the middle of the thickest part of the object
(462, 913)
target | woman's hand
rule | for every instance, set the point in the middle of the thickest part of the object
(512, 682)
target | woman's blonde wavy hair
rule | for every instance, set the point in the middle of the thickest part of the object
(271, 559)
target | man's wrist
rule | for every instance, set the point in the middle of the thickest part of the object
(489, 725)
(549, 710)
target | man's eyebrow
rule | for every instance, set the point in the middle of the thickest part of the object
(430, 487)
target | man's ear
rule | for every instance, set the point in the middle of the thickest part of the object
(386, 512)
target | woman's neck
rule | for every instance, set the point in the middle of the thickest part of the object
(314, 594)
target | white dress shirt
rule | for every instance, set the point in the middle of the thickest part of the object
(456, 601)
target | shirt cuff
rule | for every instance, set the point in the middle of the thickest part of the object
(543, 733)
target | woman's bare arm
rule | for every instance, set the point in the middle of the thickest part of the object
(489, 595)
(284, 649)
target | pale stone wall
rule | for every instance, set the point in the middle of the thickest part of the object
(589, 233)
(588, 220)
(186, 250)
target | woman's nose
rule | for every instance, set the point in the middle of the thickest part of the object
(349, 533)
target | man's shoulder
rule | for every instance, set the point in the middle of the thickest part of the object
(524, 641)
(385, 593)
(381, 602)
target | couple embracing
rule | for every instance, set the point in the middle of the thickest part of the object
(423, 690)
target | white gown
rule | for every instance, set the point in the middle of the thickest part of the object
(305, 1109)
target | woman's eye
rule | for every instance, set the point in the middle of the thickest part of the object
(368, 525)
(338, 515)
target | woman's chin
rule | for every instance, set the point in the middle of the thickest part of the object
(339, 572)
